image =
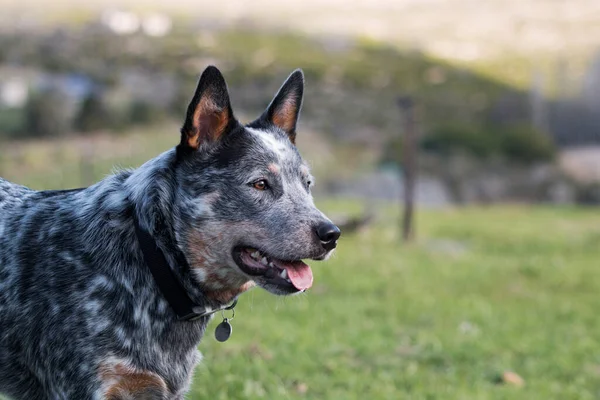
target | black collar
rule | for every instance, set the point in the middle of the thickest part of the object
(168, 284)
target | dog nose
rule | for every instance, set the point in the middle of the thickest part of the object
(328, 234)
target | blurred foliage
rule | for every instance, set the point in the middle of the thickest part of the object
(45, 114)
(525, 144)
(92, 115)
(12, 122)
(470, 139)
(589, 194)
(352, 84)
(518, 143)
(145, 113)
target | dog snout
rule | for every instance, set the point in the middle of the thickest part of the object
(328, 234)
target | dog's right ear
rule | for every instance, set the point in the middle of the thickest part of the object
(284, 110)
(209, 115)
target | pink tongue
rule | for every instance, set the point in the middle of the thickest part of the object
(300, 274)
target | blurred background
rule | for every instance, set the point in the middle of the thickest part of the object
(491, 108)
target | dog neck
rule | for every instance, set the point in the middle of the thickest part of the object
(167, 282)
(151, 190)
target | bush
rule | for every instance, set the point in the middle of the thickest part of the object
(523, 143)
(142, 112)
(92, 115)
(46, 114)
(451, 138)
(589, 194)
(520, 143)
(12, 122)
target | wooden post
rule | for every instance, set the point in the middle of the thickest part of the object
(539, 117)
(409, 165)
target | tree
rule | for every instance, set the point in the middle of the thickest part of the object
(46, 114)
(92, 115)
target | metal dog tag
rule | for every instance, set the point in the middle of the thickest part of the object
(223, 331)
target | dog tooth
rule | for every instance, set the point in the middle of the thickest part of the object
(256, 254)
(283, 274)
(271, 264)
(264, 261)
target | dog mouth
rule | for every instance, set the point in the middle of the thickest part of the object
(284, 276)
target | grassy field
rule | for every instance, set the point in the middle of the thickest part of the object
(483, 291)
(76, 161)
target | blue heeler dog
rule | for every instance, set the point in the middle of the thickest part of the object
(105, 292)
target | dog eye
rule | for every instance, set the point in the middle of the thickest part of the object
(260, 185)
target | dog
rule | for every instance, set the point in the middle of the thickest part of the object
(106, 291)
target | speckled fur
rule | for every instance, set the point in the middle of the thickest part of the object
(80, 314)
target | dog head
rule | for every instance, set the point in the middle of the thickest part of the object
(246, 211)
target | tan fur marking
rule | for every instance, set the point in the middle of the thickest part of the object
(227, 295)
(304, 170)
(285, 118)
(209, 122)
(220, 283)
(124, 382)
(197, 251)
(274, 168)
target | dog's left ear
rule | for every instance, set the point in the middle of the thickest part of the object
(209, 115)
(284, 110)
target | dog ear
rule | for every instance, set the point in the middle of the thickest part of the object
(284, 110)
(209, 114)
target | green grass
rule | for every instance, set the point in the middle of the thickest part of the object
(483, 291)
(75, 161)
